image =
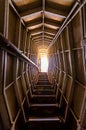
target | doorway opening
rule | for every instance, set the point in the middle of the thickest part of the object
(43, 62)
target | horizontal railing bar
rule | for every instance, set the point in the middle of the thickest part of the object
(4, 43)
(68, 20)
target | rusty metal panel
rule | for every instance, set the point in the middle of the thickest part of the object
(9, 68)
(84, 21)
(12, 102)
(2, 12)
(78, 99)
(1, 64)
(77, 31)
(79, 66)
(13, 27)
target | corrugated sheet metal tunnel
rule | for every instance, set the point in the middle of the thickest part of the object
(42, 64)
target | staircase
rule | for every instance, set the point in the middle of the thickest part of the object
(43, 112)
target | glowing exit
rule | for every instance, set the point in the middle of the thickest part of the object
(44, 63)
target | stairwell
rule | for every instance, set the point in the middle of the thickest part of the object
(43, 112)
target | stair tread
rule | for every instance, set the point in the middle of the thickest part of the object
(44, 112)
(52, 95)
(43, 105)
(43, 100)
(43, 85)
(45, 81)
(33, 118)
(42, 93)
(41, 89)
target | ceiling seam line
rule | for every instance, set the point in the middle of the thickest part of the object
(43, 21)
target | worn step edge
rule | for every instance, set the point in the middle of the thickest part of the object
(37, 90)
(42, 85)
(44, 119)
(44, 105)
(34, 95)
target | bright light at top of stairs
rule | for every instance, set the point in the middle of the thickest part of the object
(44, 63)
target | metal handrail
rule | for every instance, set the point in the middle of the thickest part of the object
(4, 43)
(68, 20)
